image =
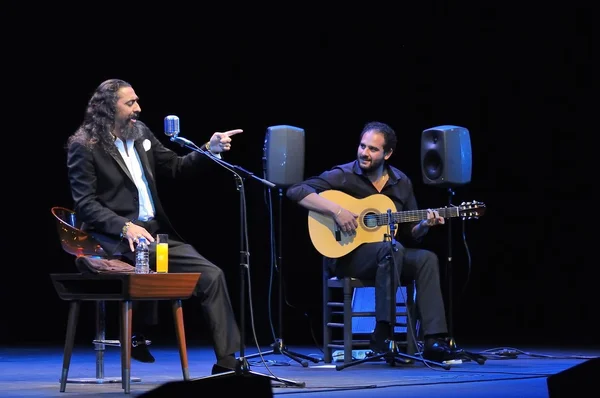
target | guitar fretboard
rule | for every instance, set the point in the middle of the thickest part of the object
(413, 215)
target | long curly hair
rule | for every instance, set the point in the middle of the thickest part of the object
(99, 119)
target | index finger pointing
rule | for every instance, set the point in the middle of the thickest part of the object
(233, 132)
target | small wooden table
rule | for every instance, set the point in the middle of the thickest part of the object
(124, 288)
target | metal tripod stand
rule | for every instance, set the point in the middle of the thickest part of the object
(393, 355)
(278, 347)
(242, 368)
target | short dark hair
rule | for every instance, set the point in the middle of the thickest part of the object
(388, 134)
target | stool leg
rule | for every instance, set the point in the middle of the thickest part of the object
(126, 317)
(69, 341)
(100, 336)
(180, 330)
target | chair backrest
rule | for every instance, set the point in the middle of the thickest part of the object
(74, 240)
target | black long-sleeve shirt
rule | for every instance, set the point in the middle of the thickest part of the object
(350, 179)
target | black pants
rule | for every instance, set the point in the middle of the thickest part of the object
(370, 261)
(211, 290)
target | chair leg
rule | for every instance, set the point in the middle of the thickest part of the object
(69, 341)
(126, 318)
(347, 321)
(180, 331)
(411, 321)
(327, 351)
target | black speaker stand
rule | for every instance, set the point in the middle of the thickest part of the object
(278, 347)
(393, 355)
(449, 266)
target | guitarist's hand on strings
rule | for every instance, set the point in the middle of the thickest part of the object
(433, 218)
(346, 220)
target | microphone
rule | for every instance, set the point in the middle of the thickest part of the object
(182, 141)
(172, 130)
(172, 126)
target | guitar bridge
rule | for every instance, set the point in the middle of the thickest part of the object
(338, 234)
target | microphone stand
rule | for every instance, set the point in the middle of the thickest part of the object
(393, 354)
(242, 368)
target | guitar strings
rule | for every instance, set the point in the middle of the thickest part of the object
(408, 216)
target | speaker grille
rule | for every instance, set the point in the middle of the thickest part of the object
(433, 166)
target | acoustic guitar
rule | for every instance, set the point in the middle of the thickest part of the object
(373, 221)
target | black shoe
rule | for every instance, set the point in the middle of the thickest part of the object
(379, 342)
(378, 345)
(441, 349)
(139, 349)
(225, 364)
(445, 349)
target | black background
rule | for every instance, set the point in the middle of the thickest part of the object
(519, 79)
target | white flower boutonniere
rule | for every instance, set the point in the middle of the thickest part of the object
(147, 145)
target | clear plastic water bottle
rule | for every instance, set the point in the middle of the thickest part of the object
(142, 257)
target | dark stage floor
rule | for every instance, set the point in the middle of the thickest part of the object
(35, 371)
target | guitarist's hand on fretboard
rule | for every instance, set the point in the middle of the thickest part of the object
(346, 220)
(433, 218)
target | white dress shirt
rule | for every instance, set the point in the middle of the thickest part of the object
(132, 160)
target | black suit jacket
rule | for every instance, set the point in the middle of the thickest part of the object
(104, 194)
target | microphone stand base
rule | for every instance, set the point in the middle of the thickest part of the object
(280, 349)
(242, 369)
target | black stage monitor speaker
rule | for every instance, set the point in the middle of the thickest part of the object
(579, 381)
(446, 156)
(283, 155)
(216, 386)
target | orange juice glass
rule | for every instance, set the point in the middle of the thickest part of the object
(162, 253)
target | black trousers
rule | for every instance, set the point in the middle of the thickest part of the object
(211, 290)
(370, 261)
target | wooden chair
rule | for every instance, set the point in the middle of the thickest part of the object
(348, 313)
(100, 288)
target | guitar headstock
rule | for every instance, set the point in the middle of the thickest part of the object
(474, 209)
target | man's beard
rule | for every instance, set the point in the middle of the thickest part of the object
(372, 167)
(130, 132)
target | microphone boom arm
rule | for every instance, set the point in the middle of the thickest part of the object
(233, 168)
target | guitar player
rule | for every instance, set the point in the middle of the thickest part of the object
(370, 174)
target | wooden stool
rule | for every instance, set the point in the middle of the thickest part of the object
(124, 288)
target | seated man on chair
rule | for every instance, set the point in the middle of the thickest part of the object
(370, 174)
(113, 161)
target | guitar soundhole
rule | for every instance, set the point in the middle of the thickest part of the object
(370, 220)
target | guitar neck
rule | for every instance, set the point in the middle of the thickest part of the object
(416, 215)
